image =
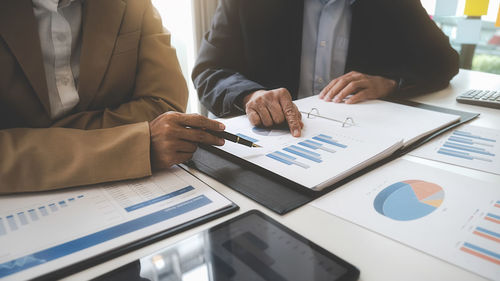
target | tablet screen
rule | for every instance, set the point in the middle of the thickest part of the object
(251, 246)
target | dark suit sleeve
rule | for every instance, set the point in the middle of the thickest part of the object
(219, 71)
(427, 62)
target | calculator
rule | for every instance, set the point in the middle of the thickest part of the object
(487, 98)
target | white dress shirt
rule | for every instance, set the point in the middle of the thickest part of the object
(59, 27)
(325, 41)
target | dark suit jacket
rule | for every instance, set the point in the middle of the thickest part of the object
(129, 74)
(256, 44)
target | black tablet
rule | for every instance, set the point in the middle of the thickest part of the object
(251, 246)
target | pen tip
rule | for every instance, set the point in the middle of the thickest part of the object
(255, 145)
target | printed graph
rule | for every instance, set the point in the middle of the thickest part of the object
(275, 131)
(313, 150)
(409, 200)
(15, 221)
(486, 237)
(465, 145)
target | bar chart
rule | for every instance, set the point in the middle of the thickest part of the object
(16, 220)
(307, 152)
(470, 146)
(484, 243)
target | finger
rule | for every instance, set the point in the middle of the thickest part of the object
(276, 112)
(202, 122)
(264, 115)
(360, 96)
(200, 136)
(328, 88)
(334, 83)
(292, 115)
(341, 84)
(351, 89)
(253, 117)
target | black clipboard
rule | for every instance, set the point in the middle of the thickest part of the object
(279, 194)
(123, 249)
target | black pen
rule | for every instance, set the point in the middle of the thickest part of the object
(234, 138)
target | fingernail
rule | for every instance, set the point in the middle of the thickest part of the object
(222, 126)
(296, 133)
(221, 141)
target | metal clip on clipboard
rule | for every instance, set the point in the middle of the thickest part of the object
(314, 112)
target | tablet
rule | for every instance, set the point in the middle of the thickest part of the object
(251, 246)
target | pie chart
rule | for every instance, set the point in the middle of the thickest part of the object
(409, 200)
(273, 131)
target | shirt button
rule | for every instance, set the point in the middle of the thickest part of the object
(320, 80)
(65, 80)
(322, 43)
(61, 37)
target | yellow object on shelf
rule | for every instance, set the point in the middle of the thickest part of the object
(476, 7)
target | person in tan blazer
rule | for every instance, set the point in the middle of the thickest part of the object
(130, 90)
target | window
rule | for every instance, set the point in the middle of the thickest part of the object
(482, 54)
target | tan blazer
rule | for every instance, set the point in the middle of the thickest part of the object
(129, 74)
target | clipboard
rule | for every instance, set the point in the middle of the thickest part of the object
(68, 230)
(279, 194)
(85, 264)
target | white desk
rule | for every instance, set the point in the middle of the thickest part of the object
(377, 257)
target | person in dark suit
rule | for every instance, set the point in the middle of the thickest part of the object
(261, 54)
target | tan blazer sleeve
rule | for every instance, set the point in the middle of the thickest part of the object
(43, 159)
(101, 145)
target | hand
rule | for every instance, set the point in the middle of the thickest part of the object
(273, 107)
(175, 137)
(360, 86)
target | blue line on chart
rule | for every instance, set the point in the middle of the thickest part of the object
(33, 215)
(63, 203)
(22, 218)
(497, 235)
(493, 216)
(470, 135)
(329, 140)
(468, 141)
(53, 207)
(484, 251)
(313, 156)
(247, 137)
(467, 148)
(12, 223)
(460, 154)
(316, 145)
(43, 210)
(287, 159)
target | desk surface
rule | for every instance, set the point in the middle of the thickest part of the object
(377, 257)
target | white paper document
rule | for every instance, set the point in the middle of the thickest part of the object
(324, 154)
(388, 118)
(45, 231)
(468, 146)
(450, 216)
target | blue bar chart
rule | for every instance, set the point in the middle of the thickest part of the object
(18, 219)
(308, 150)
(469, 146)
(329, 140)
